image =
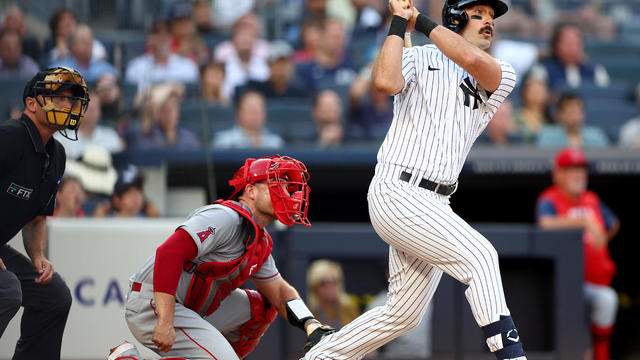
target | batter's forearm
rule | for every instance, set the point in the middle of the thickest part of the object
(165, 307)
(387, 69)
(34, 238)
(477, 62)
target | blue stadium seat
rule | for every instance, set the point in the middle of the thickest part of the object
(217, 117)
(609, 115)
(286, 112)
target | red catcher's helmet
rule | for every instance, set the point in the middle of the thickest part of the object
(280, 172)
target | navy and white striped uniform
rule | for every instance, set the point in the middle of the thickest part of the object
(438, 115)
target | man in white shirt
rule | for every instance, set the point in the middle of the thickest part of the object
(159, 65)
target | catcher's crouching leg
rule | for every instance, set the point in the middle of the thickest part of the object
(248, 334)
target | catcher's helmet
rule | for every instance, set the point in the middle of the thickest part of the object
(454, 10)
(287, 181)
(49, 83)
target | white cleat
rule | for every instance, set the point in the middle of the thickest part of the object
(120, 350)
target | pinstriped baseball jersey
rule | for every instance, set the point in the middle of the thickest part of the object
(438, 114)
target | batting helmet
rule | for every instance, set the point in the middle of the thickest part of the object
(49, 83)
(453, 11)
(287, 181)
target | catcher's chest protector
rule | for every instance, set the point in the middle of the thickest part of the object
(212, 282)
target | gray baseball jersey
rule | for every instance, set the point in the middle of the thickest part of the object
(219, 236)
(438, 115)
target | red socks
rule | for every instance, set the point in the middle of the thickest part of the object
(601, 341)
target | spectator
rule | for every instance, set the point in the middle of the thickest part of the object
(80, 56)
(331, 67)
(630, 132)
(501, 130)
(533, 113)
(212, 79)
(202, 17)
(225, 13)
(96, 173)
(327, 116)
(250, 130)
(63, 24)
(245, 55)
(69, 198)
(570, 129)
(311, 36)
(13, 64)
(370, 108)
(160, 126)
(281, 83)
(92, 134)
(567, 204)
(568, 65)
(13, 20)
(522, 55)
(326, 297)
(185, 40)
(159, 64)
(109, 94)
(128, 198)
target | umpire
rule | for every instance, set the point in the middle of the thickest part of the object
(31, 165)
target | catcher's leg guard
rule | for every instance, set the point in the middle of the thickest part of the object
(248, 334)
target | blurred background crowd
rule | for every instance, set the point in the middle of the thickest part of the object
(215, 75)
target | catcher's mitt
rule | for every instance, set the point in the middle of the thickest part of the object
(317, 335)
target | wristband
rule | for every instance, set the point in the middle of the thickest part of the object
(425, 25)
(398, 26)
(298, 313)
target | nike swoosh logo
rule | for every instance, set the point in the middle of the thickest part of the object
(432, 68)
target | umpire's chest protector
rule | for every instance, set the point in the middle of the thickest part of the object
(212, 282)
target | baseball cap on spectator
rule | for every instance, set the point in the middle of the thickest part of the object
(128, 178)
(179, 10)
(95, 170)
(279, 49)
(569, 157)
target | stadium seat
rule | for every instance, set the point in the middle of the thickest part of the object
(609, 115)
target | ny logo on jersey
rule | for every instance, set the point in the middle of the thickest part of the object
(203, 235)
(469, 90)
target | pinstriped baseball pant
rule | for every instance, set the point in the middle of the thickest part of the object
(426, 238)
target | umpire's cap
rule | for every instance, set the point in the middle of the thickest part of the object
(455, 18)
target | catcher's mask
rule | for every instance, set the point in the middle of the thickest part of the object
(453, 11)
(49, 84)
(287, 181)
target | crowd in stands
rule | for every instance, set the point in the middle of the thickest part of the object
(207, 76)
(319, 70)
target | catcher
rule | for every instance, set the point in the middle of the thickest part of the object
(185, 302)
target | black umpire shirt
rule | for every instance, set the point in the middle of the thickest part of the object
(29, 175)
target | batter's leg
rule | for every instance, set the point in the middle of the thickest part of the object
(422, 223)
(412, 283)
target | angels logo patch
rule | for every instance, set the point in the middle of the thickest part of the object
(203, 235)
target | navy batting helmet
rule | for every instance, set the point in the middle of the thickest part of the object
(454, 10)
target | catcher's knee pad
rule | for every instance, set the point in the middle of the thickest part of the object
(503, 339)
(262, 315)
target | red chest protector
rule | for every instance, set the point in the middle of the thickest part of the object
(213, 281)
(598, 266)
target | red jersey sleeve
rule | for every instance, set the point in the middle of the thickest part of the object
(170, 258)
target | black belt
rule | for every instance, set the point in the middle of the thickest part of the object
(441, 189)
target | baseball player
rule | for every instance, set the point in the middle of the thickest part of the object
(568, 204)
(445, 94)
(185, 301)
